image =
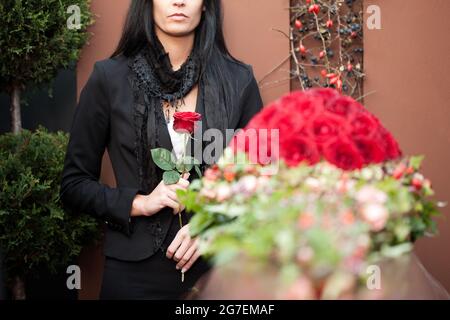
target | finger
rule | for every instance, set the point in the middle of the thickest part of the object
(186, 175)
(172, 204)
(172, 195)
(180, 210)
(176, 242)
(175, 187)
(181, 251)
(191, 261)
(183, 182)
(188, 255)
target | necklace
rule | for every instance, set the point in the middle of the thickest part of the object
(167, 108)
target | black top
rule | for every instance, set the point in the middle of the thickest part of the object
(106, 118)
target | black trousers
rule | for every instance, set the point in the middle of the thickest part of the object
(154, 278)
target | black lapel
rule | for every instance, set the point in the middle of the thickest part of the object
(161, 127)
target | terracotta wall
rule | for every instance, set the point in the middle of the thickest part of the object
(251, 39)
(408, 66)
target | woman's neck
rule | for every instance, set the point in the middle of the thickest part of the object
(178, 48)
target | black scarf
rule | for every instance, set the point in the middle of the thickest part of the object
(154, 81)
(169, 85)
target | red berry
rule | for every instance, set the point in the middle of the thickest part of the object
(329, 24)
(321, 54)
(315, 8)
(350, 67)
(298, 24)
(302, 49)
(410, 170)
(417, 183)
(334, 80)
(323, 73)
(399, 171)
(353, 34)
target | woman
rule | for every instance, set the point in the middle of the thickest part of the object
(171, 57)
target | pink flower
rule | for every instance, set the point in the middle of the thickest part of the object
(372, 195)
(375, 215)
(247, 184)
(223, 192)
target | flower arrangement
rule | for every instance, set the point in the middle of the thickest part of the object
(322, 124)
(343, 197)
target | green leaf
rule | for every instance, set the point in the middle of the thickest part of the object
(171, 177)
(163, 158)
(197, 170)
(196, 185)
(396, 251)
(416, 161)
(184, 164)
(199, 222)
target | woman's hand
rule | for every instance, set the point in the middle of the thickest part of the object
(183, 249)
(162, 196)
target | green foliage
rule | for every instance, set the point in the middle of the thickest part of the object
(173, 168)
(35, 40)
(163, 158)
(318, 213)
(171, 177)
(35, 231)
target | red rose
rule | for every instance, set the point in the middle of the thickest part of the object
(370, 150)
(322, 123)
(325, 128)
(298, 103)
(257, 143)
(389, 145)
(305, 107)
(342, 106)
(299, 149)
(363, 124)
(184, 122)
(325, 93)
(343, 154)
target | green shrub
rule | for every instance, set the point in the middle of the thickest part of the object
(36, 42)
(35, 232)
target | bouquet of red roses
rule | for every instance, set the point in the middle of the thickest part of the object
(322, 124)
(342, 200)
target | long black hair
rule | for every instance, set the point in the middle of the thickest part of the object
(139, 30)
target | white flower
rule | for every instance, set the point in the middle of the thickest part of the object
(375, 215)
(369, 194)
(367, 173)
(247, 184)
(313, 183)
(223, 192)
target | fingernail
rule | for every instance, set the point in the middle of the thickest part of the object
(177, 267)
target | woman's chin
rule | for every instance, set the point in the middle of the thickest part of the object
(179, 32)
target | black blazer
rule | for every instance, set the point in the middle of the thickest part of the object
(104, 119)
